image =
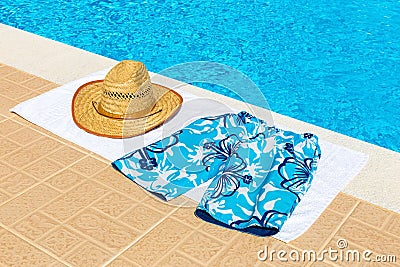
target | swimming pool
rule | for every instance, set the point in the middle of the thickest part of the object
(335, 64)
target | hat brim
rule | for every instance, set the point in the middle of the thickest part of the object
(87, 117)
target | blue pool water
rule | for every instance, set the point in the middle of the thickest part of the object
(335, 64)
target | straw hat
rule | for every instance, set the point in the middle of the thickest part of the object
(124, 104)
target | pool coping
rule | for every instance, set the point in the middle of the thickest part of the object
(61, 63)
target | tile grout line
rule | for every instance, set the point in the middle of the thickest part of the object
(23, 191)
(43, 205)
(138, 238)
(86, 238)
(35, 245)
(115, 219)
(114, 190)
(334, 232)
(5, 193)
(14, 196)
(20, 148)
(385, 224)
(370, 203)
(198, 229)
(376, 228)
(143, 199)
(13, 132)
(10, 135)
(54, 229)
(56, 138)
(38, 209)
(51, 84)
(20, 83)
(19, 71)
(138, 204)
(14, 99)
(61, 140)
(228, 244)
(39, 182)
(100, 244)
(176, 246)
(14, 142)
(77, 231)
(211, 236)
(293, 246)
(111, 189)
(194, 229)
(64, 224)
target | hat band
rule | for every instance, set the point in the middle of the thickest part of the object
(131, 116)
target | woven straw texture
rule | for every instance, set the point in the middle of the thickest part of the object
(99, 107)
(127, 89)
(61, 205)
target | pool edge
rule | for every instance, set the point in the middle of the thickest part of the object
(61, 63)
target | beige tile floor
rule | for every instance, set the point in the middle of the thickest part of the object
(62, 205)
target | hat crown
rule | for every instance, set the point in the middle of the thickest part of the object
(127, 90)
(124, 104)
(127, 72)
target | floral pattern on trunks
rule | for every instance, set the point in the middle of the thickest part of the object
(258, 173)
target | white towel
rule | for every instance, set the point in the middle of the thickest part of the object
(52, 111)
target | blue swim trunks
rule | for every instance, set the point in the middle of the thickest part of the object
(258, 173)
